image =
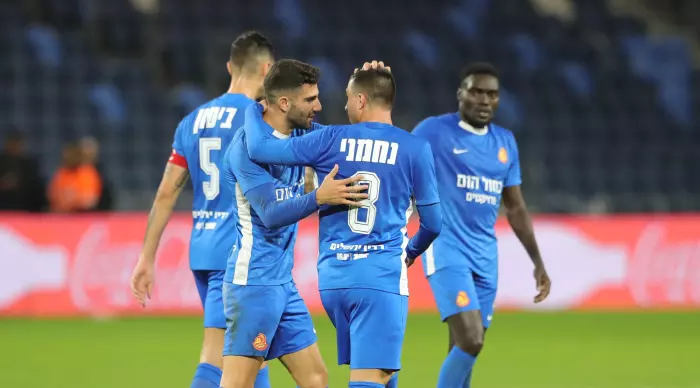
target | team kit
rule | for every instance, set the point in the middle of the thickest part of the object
(259, 162)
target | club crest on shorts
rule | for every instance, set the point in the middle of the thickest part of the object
(503, 155)
(260, 342)
(462, 299)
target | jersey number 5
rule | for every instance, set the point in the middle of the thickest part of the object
(206, 145)
(371, 180)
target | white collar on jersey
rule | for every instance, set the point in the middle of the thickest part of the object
(469, 128)
(279, 135)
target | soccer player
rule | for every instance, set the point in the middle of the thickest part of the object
(363, 251)
(266, 317)
(200, 141)
(477, 163)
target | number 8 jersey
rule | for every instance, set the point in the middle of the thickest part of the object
(201, 140)
(361, 247)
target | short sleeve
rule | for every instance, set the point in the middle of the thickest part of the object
(423, 129)
(425, 188)
(177, 156)
(247, 173)
(513, 178)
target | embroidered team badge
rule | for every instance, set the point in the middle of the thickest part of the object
(462, 299)
(260, 342)
(503, 155)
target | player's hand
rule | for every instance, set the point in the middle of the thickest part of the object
(543, 283)
(373, 65)
(142, 280)
(410, 261)
(340, 192)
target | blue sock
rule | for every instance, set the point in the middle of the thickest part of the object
(363, 384)
(263, 379)
(206, 376)
(456, 369)
(394, 381)
(468, 383)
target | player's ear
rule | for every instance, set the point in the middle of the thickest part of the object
(362, 101)
(284, 104)
(229, 68)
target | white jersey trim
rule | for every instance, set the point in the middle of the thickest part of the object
(429, 261)
(469, 128)
(403, 281)
(240, 273)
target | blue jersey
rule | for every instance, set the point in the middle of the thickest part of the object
(200, 141)
(472, 170)
(260, 256)
(364, 247)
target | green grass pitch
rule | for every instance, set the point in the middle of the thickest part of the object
(542, 350)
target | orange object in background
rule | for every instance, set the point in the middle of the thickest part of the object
(68, 265)
(75, 189)
(76, 185)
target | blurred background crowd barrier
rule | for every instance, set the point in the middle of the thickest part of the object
(80, 266)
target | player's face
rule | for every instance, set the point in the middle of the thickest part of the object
(303, 107)
(478, 99)
(355, 105)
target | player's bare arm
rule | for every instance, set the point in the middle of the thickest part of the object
(174, 179)
(521, 223)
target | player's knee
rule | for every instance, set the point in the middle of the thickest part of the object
(317, 379)
(212, 347)
(471, 342)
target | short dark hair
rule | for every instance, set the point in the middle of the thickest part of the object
(479, 68)
(289, 74)
(248, 46)
(378, 84)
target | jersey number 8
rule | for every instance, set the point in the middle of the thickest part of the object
(206, 145)
(371, 180)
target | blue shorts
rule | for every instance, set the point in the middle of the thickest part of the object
(458, 290)
(370, 326)
(209, 285)
(266, 321)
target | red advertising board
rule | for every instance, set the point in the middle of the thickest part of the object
(55, 265)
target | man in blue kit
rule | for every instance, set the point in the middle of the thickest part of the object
(266, 317)
(199, 144)
(477, 164)
(364, 250)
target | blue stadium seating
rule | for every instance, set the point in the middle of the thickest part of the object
(600, 108)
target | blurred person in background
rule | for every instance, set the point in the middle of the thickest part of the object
(477, 164)
(21, 187)
(76, 186)
(90, 149)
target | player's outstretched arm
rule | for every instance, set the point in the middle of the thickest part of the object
(276, 214)
(174, 179)
(521, 223)
(425, 192)
(264, 148)
(430, 226)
